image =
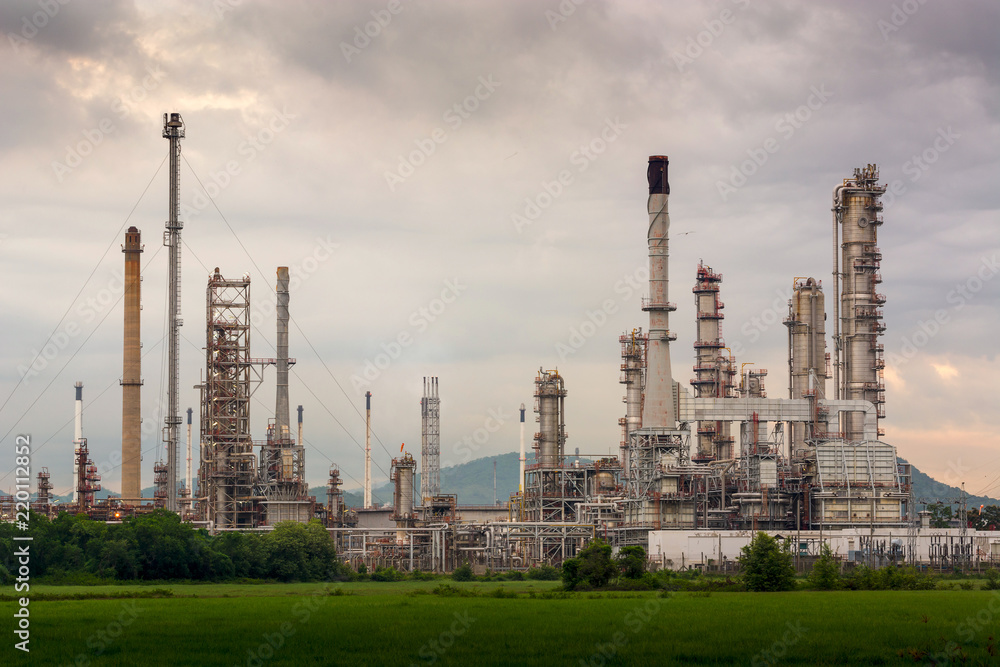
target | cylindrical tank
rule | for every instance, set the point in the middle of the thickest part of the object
(402, 471)
(550, 441)
(604, 483)
(807, 338)
(860, 304)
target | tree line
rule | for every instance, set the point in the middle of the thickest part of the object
(159, 546)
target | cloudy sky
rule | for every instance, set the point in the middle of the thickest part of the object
(459, 190)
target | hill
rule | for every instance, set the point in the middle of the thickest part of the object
(472, 482)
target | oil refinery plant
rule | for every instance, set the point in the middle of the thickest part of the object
(701, 464)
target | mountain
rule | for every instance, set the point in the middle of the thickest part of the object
(927, 491)
(472, 482)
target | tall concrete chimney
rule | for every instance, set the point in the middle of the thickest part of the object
(658, 406)
(281, 415)
(131, 369)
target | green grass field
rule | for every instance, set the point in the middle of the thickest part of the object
(402, 624)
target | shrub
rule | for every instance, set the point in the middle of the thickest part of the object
(387, 574)
(825, 574)
(593, 566)
(544, 573)
(992, 579)
(766, 566)
(632, 562)
(514, 575)
(462, 573)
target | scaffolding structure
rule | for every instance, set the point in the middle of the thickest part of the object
(43, 498)
(228, 475)
(430, 440)
(88, 480)
(633, 376)
(714, 371)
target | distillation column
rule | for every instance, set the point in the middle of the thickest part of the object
(550, 398)
(807, 358)
(858, 363)
(633, 377)
(658, 406)
(131, 370)
(714, 371)
(401, 474)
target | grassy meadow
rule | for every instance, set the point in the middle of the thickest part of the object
(486, 623)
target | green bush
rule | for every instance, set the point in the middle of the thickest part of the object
(825, 574)
(462, 573)
(864, 578)
(992, 579)
(631, 562)
(592, 566)
(514, 575)
(766, 566)
(544, 573)
(387, 574)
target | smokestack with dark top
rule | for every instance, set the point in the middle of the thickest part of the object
(658, 406)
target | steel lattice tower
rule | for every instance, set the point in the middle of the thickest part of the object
(228, 465)
(173, 130)
(430, 441)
